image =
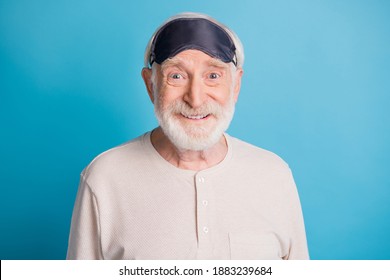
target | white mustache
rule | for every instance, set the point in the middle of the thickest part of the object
(209, 108)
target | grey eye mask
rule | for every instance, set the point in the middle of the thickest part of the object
(192, 33)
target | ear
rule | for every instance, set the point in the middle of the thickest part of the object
(147, 76)
(237, 86)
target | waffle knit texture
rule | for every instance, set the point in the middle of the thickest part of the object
(133, 204)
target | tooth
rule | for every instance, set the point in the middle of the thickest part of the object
(194, 117)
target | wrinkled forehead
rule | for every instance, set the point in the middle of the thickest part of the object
(188, 57)
(192, 33)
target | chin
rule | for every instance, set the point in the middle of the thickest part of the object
(193, 138)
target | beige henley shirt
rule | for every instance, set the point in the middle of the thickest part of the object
(132, 204)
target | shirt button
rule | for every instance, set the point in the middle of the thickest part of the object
(205, 229)
(205, 202)
(201, 179)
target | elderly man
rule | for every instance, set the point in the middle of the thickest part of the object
(187, 190)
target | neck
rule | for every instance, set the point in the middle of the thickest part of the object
(188, 159)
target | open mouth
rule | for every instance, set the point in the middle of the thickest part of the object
(195, 117)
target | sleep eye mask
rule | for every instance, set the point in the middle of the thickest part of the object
(192, 33)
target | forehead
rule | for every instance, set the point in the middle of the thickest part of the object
(193, 58)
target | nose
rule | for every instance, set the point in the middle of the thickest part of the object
(195, 95)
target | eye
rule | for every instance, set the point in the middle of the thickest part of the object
(176, 76)
(214, 76)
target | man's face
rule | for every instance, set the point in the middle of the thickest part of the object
(194, 97)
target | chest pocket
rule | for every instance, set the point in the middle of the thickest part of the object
(254, 246)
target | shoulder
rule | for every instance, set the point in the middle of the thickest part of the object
(116, 160)
(262, 167)
(254, 156)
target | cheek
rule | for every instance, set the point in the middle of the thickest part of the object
(168, 94)
(164, 100)
(223, 95)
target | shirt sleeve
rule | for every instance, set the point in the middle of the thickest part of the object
(84, 238)
(298, 245)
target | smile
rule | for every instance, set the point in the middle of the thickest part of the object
(195, 117)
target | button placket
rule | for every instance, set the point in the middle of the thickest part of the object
(202, 212)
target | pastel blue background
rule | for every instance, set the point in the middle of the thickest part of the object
(315, 91)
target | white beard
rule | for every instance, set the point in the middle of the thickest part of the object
(194, 137)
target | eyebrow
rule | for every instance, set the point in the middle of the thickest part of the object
(170, 62)
(218, 63)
